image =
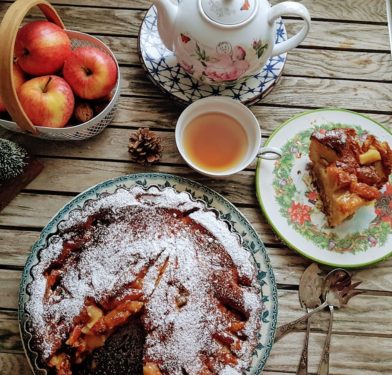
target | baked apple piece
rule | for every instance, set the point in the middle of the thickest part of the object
(348, 173)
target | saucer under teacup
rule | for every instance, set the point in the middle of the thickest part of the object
(162, 68)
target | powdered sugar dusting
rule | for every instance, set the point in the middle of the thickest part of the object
(189, 255)
(228, 239)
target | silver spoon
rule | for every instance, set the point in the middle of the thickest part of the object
(339, 279)
(333, 296)
(311, 287)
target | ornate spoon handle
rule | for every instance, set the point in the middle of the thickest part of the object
(324, 363)
(289, 327)
(303, 362)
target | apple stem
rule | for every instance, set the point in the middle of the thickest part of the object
(87, 71)
(46, 86)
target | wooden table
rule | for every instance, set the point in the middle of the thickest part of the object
(344, 62)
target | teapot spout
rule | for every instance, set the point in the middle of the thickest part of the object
(167, 13)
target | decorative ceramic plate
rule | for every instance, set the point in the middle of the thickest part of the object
(213, 200)
(163, 70)
(292, 206)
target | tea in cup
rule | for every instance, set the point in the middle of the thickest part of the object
(220, 136)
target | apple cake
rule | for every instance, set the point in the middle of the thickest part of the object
(154, 258)
(348, 172)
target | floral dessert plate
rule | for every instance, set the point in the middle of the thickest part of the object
(291, 204)
(163, 70)
(226, 212)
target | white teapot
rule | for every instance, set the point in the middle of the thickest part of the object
(222, 41)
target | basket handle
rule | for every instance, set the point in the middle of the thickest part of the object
(8, 29)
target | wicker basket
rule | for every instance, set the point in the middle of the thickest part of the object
(8, 30)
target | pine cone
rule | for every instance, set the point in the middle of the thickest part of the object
(145, 147)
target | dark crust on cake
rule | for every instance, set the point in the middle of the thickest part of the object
(335, 139)
(237, 308)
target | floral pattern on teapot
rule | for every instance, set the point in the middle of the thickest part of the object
(224, 64)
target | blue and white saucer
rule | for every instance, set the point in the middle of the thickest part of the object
(163, 70)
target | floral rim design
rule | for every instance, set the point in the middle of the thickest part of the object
(299, 208)
(214, 201)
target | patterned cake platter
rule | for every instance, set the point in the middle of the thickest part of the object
(225, 211)
(291, 204)
(162, 68)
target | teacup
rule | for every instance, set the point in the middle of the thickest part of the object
(219, 136)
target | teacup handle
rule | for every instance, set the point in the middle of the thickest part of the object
(269, 153)
(294, 9)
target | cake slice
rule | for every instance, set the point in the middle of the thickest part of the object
(348, 173)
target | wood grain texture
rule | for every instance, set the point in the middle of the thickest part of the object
(14, 364)
(9, 286)
(126, 22)
(349, 354)
(87, 173)
(294, 91)
(112, 145)
(10, 340)
(348, 10)
(15, 246)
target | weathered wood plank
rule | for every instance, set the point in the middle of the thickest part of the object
(364, 314)
(162, 114)
(339, 64)
(9, 332)
(127, 22)
(32, 210)
(350, 10)
(12, 364)
(157, 113)
(294, 91)
(112, 145)
(349, 354)
(288, 268)
(359, 96)
(77, 175)
(15, 245)
(9, 286)
(341, 35)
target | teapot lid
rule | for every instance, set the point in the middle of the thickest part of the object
(229, 12)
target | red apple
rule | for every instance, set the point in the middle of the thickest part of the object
(90, 72)
(18, 80)
(41, 48)
(47, 101)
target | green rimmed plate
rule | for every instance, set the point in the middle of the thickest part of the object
(290, 201)
(227, 212)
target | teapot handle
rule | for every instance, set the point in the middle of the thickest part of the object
(294, 9)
